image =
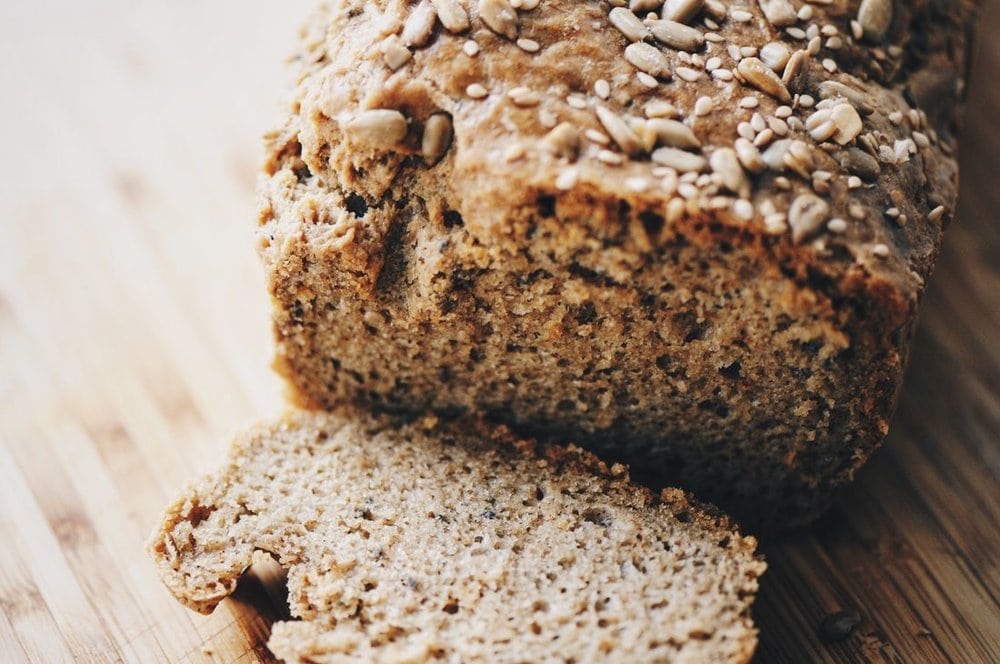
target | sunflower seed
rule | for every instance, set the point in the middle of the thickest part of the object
(775, 55)
(453, 15)
(726, 165)
(749, 155)
(777, 125)
(936, 214)
(676, 35)
(761, 77)
(778, 13)
(394, 53)
(563, 140)
(681, 161)
(764, 137)
(660, 109)
(646, 81)
(806, 215)
(644, 5)
(437, 138)
(717, 10)
(740, 15)
(628, 24)
(419, 24)
(499, 16)
(673, 133)
(794, 69)
(620, 132)
(848, 123)
(682, 10)
(648, 58)
(875, 17)
(379, 128)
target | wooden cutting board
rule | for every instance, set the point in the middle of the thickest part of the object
(134, 337)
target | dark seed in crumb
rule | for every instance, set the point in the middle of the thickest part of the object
(838, 626)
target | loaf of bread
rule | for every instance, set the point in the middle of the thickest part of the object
(460, 544)
(688, 235)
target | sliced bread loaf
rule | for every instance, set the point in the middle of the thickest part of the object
(698, 249)
(462, 543)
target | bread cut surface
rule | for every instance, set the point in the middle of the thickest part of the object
(689, 235)
(460, 543)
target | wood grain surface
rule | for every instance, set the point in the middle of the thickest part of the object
(134, 338)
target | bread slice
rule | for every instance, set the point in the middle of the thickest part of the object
(696, 249)
(458, 542)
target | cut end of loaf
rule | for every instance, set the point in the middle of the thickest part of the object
(456, 540)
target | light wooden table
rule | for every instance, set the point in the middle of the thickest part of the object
(134, 337)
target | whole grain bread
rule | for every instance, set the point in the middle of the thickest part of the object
(691, 236)
(459, 542)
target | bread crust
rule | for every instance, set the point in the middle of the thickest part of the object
(720, 329)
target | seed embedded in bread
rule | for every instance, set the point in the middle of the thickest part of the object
(378, 128)
(437, 138)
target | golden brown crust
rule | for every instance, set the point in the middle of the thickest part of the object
(389, 529)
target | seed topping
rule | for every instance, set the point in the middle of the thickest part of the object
(679, 160)
(419, 24)
(499, 16)
(676, 35)
(628, 24)
(875, 17)
(379, 129)
(648, 59)
(619, 131)
(683, 10)
(779, 13)
(453, 15)
(806, 215)
(761, 77)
